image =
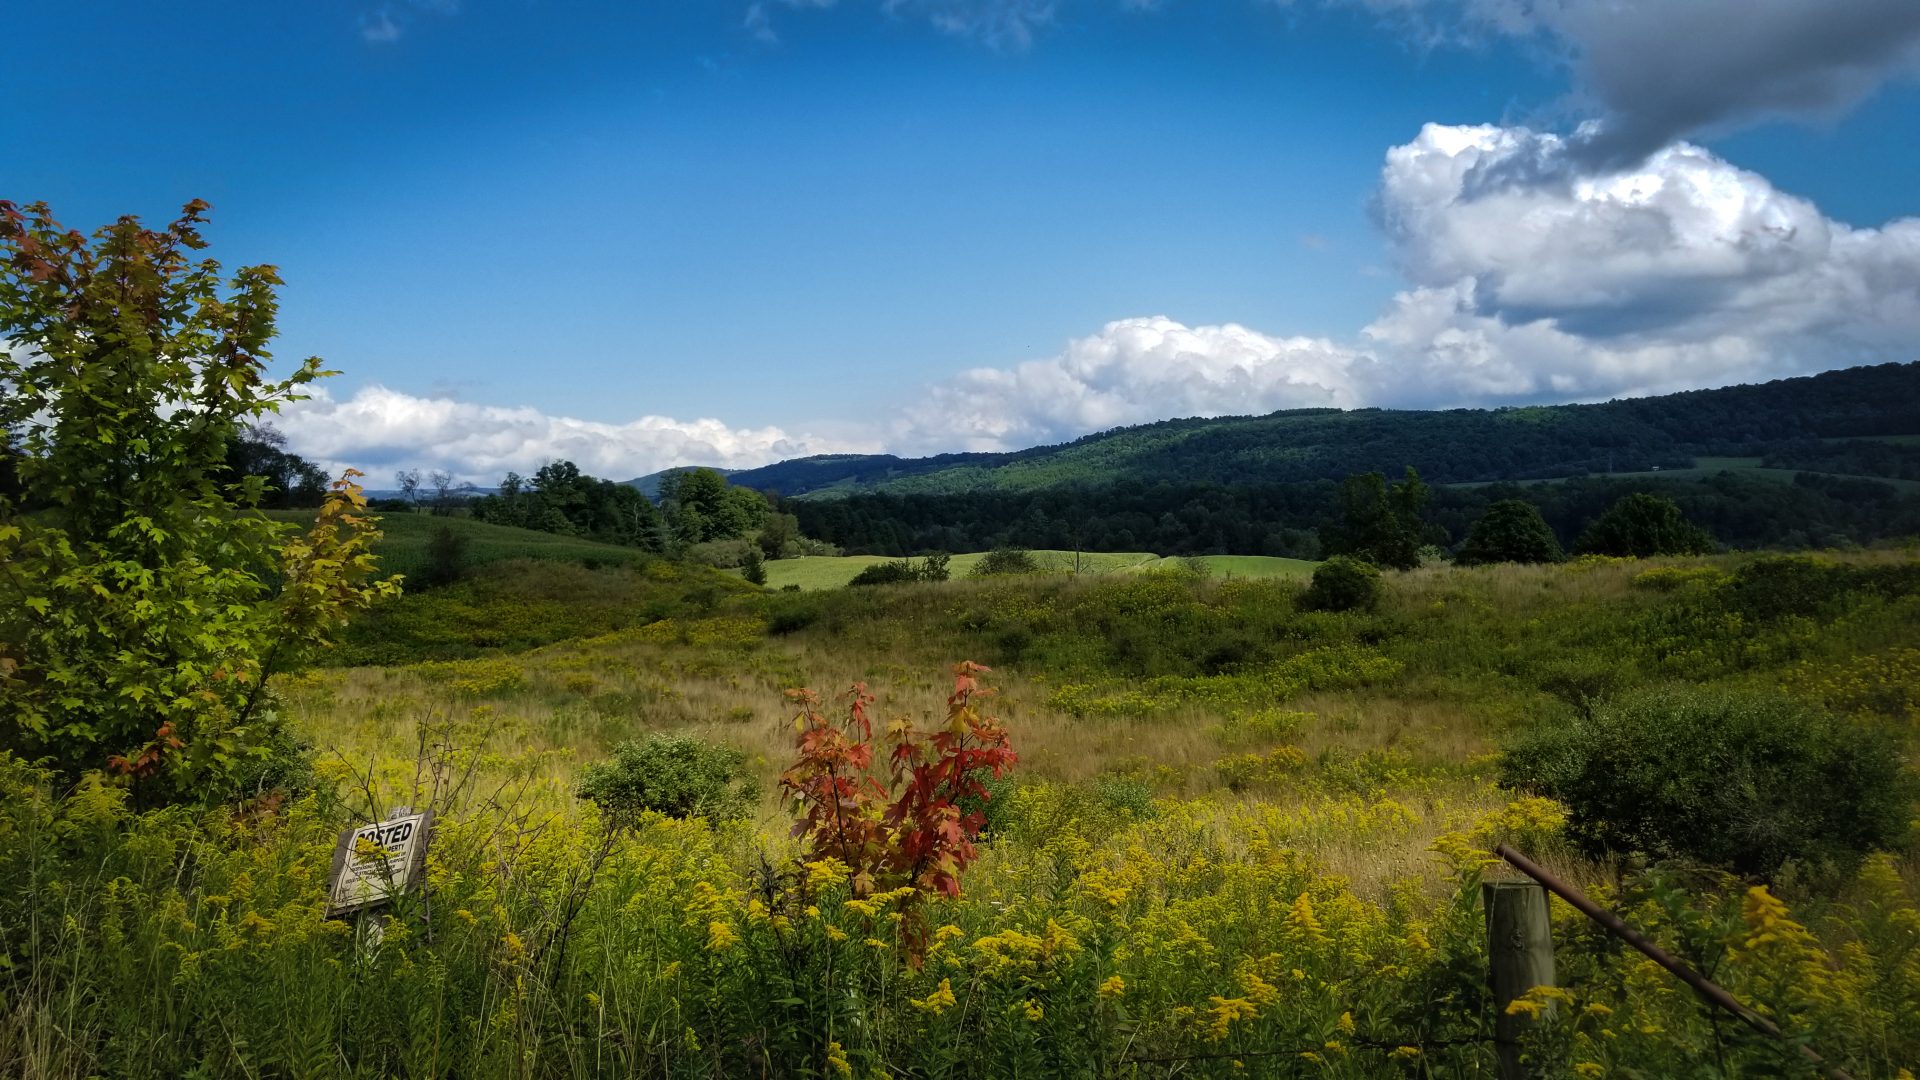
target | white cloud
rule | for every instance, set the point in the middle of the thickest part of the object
(1682, 273)
(1131, 371)
(378, 430)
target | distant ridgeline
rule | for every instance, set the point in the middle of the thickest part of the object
(1824, 459)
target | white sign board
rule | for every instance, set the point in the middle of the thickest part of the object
(377, 862)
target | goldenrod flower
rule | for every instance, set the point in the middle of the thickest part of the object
(937, 1002)
(1113, 987)
(720, 936)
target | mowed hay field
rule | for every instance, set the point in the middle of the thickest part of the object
(832, 572)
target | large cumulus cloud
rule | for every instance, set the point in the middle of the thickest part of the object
(1683, 272)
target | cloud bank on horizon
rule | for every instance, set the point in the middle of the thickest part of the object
(1616, 260)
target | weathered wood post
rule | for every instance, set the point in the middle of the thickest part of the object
(1519, 958)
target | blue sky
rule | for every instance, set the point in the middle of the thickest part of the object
(528, 228)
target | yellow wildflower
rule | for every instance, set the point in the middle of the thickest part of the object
(720, 936)
(1033, 1010)
(937, 1002)
(1225, 1012)
(1345, 1023)
(1590, 1068)
(1406, 1053)
(1113, 987)
(837, 1058)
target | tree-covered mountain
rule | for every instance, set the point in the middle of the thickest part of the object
(1446, 446)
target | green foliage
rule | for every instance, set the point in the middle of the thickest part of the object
(515, 605)
(676, 775)
(1380, 523)
(289, 479)
(700, 506)
(894, 572)
(1745, 780)
(149, 600)
(752, 568)
(1511, 530)
(1343, 583)
(1001, 562)
(1640, 526)
(561, 499)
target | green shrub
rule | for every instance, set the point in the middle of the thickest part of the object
(446, 558)
(886, 573)
(1744, 780)
(753, 569)
(1776, 587)
(676, 775)
(1344, 583)
(1001, 562)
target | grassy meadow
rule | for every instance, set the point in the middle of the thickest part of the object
(835, 571)
(1243, 838)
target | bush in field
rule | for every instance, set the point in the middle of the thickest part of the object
(1511, 530)
(446, 557)
(1002, 562)
(676, 775)
(151, 600)
(1745, 780)
(754, 569)
(1384, 524)
(1343, 583)
(1642, 525)
(896, 571)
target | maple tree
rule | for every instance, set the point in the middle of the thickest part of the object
(909, 831)
(146, 600)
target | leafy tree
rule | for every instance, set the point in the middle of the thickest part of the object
(446, 557)
(754, 569)
(702, 506)
(1380, 523)
(778, 533)
(148, 603)
(1511, 530)
(1642, 525)
(291, 480)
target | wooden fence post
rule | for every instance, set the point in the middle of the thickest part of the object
(1519, 958)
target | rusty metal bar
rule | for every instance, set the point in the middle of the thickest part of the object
(1706, 988)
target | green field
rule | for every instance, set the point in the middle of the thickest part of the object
(833, 572)
(403, 548)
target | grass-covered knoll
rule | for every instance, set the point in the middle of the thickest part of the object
(403, 548)
(1240, 832)
(834, 571)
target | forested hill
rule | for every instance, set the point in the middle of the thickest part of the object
(1452, 446)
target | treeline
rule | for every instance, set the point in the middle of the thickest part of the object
(1172, 518)
(560, 499)
(699, 516)
(1860, 457)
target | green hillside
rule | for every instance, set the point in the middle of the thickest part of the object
(1451, 446)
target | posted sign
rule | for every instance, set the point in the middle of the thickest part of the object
(377, 862)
